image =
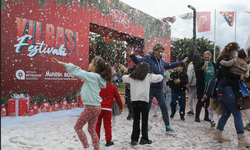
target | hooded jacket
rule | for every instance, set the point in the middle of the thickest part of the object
(157, 66)
(93, 82)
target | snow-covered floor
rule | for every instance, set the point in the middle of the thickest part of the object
(47, 132)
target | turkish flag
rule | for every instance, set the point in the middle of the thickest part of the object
(229, 17)
(203, 21)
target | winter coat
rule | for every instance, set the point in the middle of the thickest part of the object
(183, 81)
(157, 66)
(108, 95)
(200, 79)
(191, 75)
(93, 82)
(139, 89)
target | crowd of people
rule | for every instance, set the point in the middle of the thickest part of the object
(153, 80)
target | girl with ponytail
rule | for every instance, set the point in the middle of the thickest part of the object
(100, 73)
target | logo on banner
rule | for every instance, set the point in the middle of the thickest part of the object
(57, 42)
(20, 74)
(121, 17)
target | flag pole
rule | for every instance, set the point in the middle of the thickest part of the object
(235, 25)
(214, 32)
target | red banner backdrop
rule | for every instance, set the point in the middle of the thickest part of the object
(31, 35)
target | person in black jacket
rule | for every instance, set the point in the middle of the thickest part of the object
(204, 72)
(127, 90)
(177, 82)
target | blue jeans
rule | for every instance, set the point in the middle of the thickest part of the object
(181, 98)
(226, 81)
(158, 93)
(169, 98)
(228, 108)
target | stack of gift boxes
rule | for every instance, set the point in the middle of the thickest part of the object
(20, 105)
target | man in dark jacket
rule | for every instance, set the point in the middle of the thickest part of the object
(157, 65)
(177, 82)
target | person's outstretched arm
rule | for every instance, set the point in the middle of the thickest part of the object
(74, 70)
(135, 59)
(174, 64)
(58, 62)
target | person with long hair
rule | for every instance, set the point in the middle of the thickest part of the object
(140, 80)
(238, 66)
(157, 66)
(100, 72)
(229, 106)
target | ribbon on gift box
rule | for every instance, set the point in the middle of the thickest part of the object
(17, 97)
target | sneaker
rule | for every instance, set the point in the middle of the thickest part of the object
(197, 120)
(109, 143)
(155, 115)
(239, 105)
(219, 99)
(182, 118)
(143, 141)
(212, 124)
(133, 142)
(190, 113)
(207, 119)
(172, 116)
(148, 129)
(247, 126)
(169, 129)
(130, 116)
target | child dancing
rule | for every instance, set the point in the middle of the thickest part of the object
(108, 94)
(100, 72)
(140, 80)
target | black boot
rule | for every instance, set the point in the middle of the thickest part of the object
(109, 143)
(143, 141)
(197, 119)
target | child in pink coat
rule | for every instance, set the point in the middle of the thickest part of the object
(156, 106)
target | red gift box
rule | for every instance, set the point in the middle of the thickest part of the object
(3, 111)
(64, 104)
(79, 100)
(55, 106)
(18, 107)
